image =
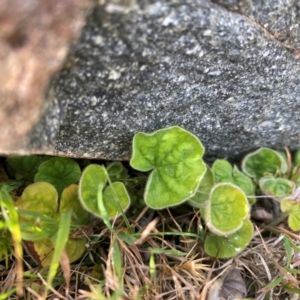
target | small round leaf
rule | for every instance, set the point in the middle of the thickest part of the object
(223, 172)
(115, 199)
(277, 188)
(226, 209)
(263, 161)
(291, 205)
(59, 171)
(176, 157)
(92, 177)
(231, 245)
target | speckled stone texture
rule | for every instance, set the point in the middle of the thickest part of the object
(228, 71)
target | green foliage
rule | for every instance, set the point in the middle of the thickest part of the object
(277, 188)
(296, 159)
(40, 197)
(223, 172)
(52, 203)
(40, 202)
(116, 171)
(11, 219)
(93, 177)
(264, 161)
(69, 201)
(61, 241)
(59, 171)
(175, 156)
(230, 245)
(24, 167)
(291, 204)
(296, 168)
(226, 209)
(115, 197)
(202, 194)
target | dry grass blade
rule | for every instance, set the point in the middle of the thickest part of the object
(65, 266)
(279, 267)
(150, 227)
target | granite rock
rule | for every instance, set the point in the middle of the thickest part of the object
(226, 70)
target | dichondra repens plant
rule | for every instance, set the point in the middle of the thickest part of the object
(56, 187)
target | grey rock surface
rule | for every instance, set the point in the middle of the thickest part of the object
(226, 70)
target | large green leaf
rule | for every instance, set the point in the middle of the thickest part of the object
(39, 197)
(223, 172)
(226, 209)
(203, 191)
(70, 201)
(231, 245)
(59, 171)
(24, 167)
(277, 188)
(175, 155)
(264, 161)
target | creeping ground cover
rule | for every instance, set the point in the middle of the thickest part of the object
(165, 225)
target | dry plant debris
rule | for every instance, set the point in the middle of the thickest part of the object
(167, 261)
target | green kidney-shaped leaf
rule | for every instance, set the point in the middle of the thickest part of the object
(114, 168)
(202, 194)
(223, 172)
(59, 171)
(176, 157)
(92, 177)
(263, 161)
(116, 171)
(277, 188)
(116, 199)
(294, 218)
(39, 197)
(24, 167)
(291, 205)
(231, 245)
(227, 208)
(70, 201)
